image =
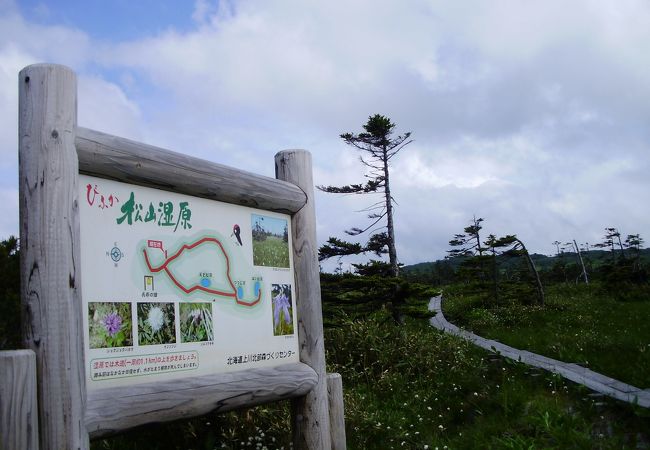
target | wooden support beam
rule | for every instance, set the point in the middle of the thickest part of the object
(49, 250)
(120, 159)
(311, 427)
(116, 409)
(337, 411)
(18, 404)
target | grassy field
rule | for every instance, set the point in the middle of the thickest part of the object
(271, 252)
(411, 387)
(581, 324)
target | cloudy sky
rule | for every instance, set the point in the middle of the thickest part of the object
(532, 115)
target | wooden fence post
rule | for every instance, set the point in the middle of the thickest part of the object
(337, 411)
(49, 250)
(18, 406)
(310, 414)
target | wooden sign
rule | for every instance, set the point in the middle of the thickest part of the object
(157, 286)
(176, 285)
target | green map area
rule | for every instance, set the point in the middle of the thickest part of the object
(214, 277)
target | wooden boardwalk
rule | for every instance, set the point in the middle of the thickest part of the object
(578, 374)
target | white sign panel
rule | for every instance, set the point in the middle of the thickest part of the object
(177, 286)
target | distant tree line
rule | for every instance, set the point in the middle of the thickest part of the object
(260, 234)
(618, 264)
(10, 336)
(481, 263)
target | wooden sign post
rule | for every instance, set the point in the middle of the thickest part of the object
(49, 250)
(310, 413)
(81, 398)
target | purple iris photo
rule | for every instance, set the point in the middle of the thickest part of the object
(282, 309)
(281, 304)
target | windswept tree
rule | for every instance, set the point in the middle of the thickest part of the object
(625, 265)
(580, 260)
(468, 245)
(571, 247)
(558, 252)
(633, 243)
(611, 240)
(338, 247)
(469, 242)
(512, 245)
(378, 147)
(493, 244)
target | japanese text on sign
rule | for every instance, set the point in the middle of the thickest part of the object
(105, 368)
(163, 216)
(254, 357)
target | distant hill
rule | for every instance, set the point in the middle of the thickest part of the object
(442, 270)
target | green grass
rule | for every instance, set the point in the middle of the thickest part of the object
(410, 387)
(581, 324)
(416, 386)
(271, 252)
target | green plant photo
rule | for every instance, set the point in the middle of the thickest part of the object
(156, 323)
(109, 324)
(196, 322)
(270, 241)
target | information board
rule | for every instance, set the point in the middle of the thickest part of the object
(176, 285)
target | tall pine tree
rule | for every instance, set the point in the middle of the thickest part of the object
(377, 146)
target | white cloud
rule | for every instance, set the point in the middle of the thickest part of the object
(530, 115)
(102, 104)
(57, 44)
(463, 172)
(9, 222)
(12, 60)
(105, 107)
(202, 10)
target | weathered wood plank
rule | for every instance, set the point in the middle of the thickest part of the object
(49, 250)
(18, 405)
(116, 409)
(132, 162)
(337, 410)
(570, 371)
(310, 413)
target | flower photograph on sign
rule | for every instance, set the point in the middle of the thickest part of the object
(270, 241)
(109, 324)
(196, 322)
(282, 309)
(156, 323)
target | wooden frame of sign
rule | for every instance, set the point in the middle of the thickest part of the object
(53, 151)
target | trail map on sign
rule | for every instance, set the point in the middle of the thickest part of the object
(214, 247)
(178, 286)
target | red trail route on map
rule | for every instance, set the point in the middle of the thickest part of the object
(197, 287)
